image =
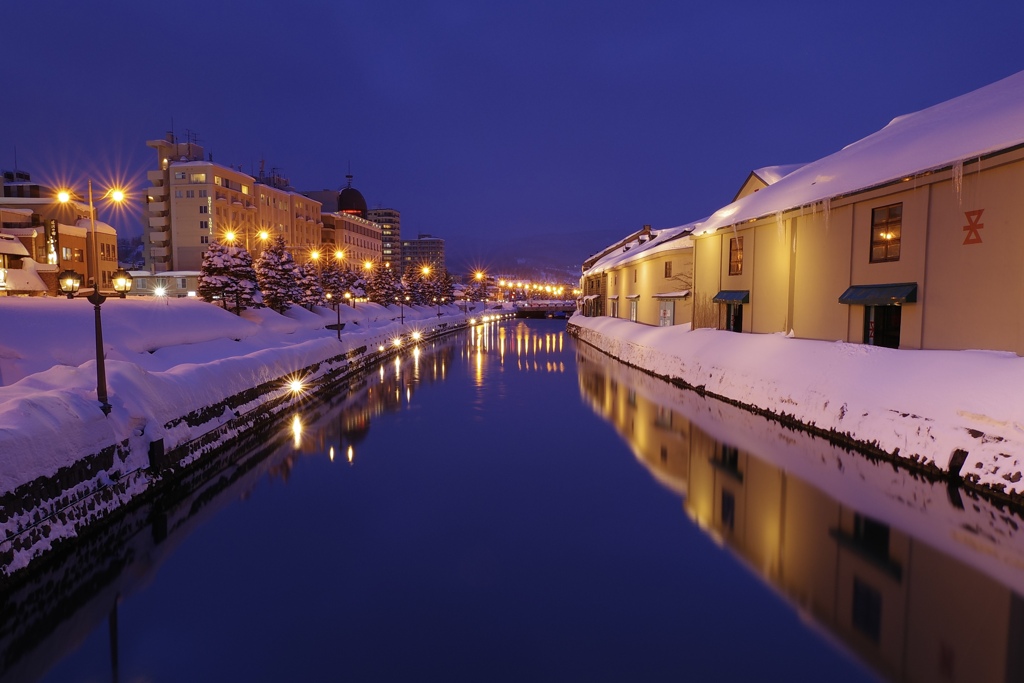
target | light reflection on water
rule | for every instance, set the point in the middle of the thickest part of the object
(522, 545)
(918, 578)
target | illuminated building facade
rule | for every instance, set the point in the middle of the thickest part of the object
(194, 201)
(390, 222)
(426, 250)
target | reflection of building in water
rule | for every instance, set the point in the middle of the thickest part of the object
(912, 612)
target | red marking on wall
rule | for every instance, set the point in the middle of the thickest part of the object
(973, 226)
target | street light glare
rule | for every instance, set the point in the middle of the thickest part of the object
(117, 195)
(63, 196)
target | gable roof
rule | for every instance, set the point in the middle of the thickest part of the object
(987, 120)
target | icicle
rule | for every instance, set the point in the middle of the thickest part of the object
(794, 240)
(826, 205)
(958, 182)
(780, 226)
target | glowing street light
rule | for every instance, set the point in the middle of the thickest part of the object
(115, 194)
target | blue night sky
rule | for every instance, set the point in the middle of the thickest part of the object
(480, 121)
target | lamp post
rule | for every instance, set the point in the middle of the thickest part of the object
(401, 304)
(337, 309)
(69, 282)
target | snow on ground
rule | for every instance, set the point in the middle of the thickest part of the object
(164, 358)
(921, 405)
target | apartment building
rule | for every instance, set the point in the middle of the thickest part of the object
(194, 201)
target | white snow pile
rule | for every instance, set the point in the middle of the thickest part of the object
(922, 405)
(164, 358)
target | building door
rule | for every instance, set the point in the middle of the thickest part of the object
(882, 326)
(666, 313)
(633, 309)
(734, 317)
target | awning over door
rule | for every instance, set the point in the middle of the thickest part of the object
(732, 296)
(880, 295)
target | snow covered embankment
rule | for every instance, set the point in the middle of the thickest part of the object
(957, 411)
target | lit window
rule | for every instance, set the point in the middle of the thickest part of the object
(736, 256)
(197, 178)
(886, 228)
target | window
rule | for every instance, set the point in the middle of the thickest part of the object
(190, 194)
(197, 178)
(668, 269)
(202, 193)
(65, 253)
(178, 194)
(204, 239)
(204, 225)
(871, 535)
(179, 175)
(634, 275)
(633, 310)
(182, 283)
(886, 226)
(204, 209)
(728, 510)
(736, 256)
(217, 180)
(867, 610)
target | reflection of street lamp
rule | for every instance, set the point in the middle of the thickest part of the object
(69, 282)
(93, 266)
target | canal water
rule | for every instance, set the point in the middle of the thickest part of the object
(508, 505)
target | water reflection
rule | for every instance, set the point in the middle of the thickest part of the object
(52, 613)
(920, 579)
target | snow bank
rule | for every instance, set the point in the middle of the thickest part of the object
(922, 405)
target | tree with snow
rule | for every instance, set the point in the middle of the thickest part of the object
(214, 274)
(419, 285)
(310, 288)
(226, 273)
(275, 273)
(383, 286)
(353, 283)
(477, 289)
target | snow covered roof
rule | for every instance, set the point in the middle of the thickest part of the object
(12, 245)
(100, 226)
(25, 279)
(773, 174)
(987, 120)
(657, 241)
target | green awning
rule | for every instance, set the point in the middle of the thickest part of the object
(880, 295)
(732, 296)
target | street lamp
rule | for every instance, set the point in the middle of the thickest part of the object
(401, 304)
(93, 265)
(69, 282)
(337, 308)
